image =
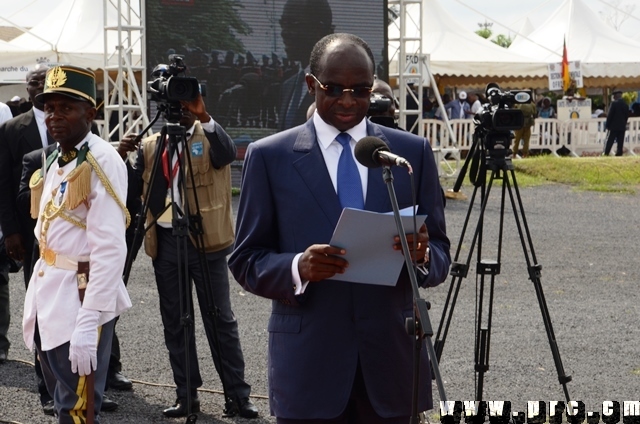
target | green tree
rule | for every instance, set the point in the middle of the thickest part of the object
(484, 33)
(485, 29)
(503, 40)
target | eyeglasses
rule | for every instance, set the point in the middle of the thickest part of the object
(338, 90)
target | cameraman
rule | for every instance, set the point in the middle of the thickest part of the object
(212, 151)
(382, 106)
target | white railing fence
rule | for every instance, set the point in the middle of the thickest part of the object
(579, 136)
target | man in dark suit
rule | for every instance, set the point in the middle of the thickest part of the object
(23, 134)
(303, 23)
(338, 351)
(616, 123)
(18, 136)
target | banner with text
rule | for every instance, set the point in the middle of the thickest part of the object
(555, 75)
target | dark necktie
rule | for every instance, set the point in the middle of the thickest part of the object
(349, 184)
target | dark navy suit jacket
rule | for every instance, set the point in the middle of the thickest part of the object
(288, 203)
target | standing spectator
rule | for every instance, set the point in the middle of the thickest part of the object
(440, 111)
(616, 123)
(529, 111)
(338, 351)
(475, 107)
(457, 109)
(212, 152)
(5, 315)
(546, 111)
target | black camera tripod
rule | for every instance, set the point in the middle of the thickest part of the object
(499, 164)
(184, 223)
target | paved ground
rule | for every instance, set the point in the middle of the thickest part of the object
(586, 243)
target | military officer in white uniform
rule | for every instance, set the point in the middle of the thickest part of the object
(76, 289)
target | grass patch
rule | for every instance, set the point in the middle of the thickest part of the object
(601, 174)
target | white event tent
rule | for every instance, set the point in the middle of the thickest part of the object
(73, 33)
(459, 57)
(607, 58)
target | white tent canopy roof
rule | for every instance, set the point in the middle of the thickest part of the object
(458, 56)
(74, 31)
(603, 53)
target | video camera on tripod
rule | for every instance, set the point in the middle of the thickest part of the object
(498, 118)
(170, 87)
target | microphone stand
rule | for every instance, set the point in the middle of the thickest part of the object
(420, 325)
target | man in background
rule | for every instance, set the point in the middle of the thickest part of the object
(5, 310)
(18, 136)
(303, 22)
(211, 153)
(616, 123)
(529, 112)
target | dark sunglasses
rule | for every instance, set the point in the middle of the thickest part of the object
(338, 90)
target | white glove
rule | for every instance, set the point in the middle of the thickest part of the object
(83, 348)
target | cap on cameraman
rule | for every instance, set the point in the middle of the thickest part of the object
(462, 95)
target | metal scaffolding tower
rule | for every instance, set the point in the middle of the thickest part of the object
(124, 68)
(410, 67)
(407, 59)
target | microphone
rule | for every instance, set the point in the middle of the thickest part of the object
(372, 152)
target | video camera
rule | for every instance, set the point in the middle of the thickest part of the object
(379, 104)
(168, 88)
(379, 110)
(498, 118)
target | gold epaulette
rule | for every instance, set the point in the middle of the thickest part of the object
(36, 184)
(107, 185)
(79, 185)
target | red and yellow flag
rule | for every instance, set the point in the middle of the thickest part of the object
(566, 78)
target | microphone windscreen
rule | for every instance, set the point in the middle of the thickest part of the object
(366, 151)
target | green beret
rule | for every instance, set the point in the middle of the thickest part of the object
(71, 81)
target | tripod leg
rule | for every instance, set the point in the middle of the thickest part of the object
(535, 271)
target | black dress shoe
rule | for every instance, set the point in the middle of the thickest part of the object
(108, 405)
(117, 381)
(48, 408)
(180, 408)
(3, 356)
(245, 408)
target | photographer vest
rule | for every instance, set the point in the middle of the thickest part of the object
(212, 188)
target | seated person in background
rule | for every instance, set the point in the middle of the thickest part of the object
(546, 111)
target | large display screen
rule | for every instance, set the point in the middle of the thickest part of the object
(252, 54)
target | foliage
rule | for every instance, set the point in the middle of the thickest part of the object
(503, 40)
(484, 33)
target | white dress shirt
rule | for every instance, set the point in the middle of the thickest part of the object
(42, 126)
(331, 150)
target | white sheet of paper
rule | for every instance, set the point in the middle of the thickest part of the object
(368, 239)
